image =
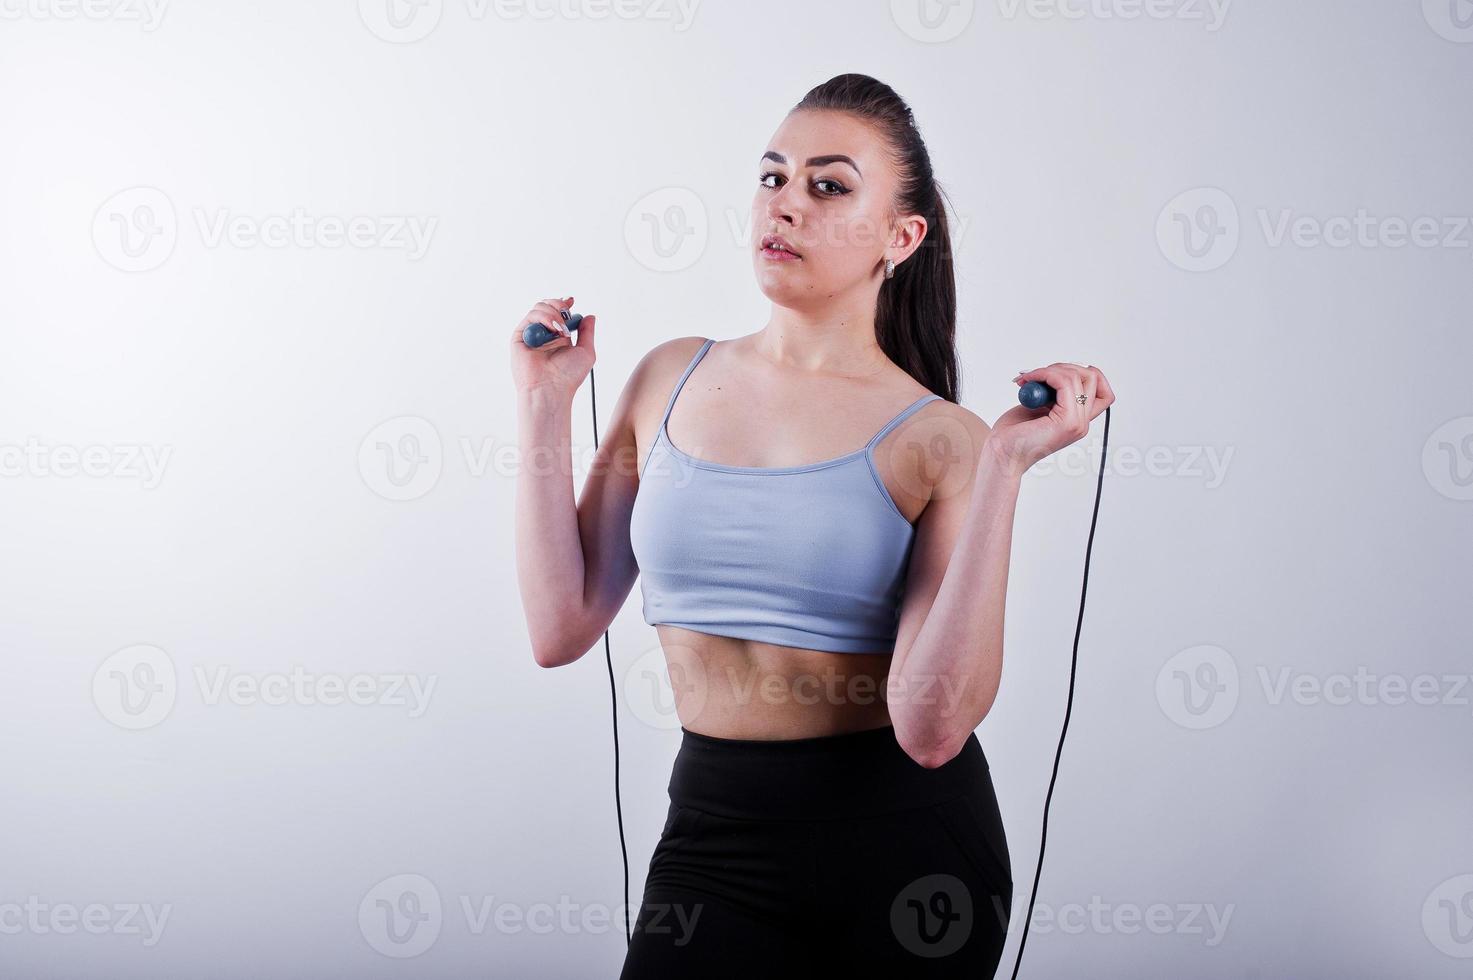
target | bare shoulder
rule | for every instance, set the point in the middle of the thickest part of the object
(953, 414)
(655, 375)
(651, 382)
(663, 363)
(950, 438)
(673, 353)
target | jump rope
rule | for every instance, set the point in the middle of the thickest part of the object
(1034, 395)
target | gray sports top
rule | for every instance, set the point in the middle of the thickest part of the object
(810, 556)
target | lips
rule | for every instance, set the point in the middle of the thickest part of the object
(779, 243)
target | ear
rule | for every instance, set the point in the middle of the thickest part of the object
(910, 231)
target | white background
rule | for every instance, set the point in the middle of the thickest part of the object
(1329, 382)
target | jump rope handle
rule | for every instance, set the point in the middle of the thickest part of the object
(537, 334)
(1036, 394)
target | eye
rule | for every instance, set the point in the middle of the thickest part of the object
(834, 188)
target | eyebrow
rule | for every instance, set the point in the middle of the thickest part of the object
(815, 161)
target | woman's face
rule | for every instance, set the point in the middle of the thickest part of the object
(827, 187)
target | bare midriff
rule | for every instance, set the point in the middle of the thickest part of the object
(728, 687)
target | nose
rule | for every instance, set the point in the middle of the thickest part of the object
(781, 206)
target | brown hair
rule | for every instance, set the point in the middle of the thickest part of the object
(915, 314)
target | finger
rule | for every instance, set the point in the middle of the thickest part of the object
(558, 317)
(1057, 376)
(1043, 373)
(1081, 393)
(549, 315)
(1090, 383)
(1104, 394)
(1073, 395)
(586, 334)
(1068, 385)
(534, 315)
(520, 337)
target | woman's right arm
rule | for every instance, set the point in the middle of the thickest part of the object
(575, 567)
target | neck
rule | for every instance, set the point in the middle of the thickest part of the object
(834, 340)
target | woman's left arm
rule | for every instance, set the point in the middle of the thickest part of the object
(947, 664)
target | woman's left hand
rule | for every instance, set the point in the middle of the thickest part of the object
(1022, 436)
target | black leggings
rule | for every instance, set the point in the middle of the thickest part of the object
(837, 855)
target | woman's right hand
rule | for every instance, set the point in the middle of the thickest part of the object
(558, 366)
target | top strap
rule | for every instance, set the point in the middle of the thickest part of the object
(904, 414)
(681, 383)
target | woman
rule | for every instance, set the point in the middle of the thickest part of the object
(831, 616)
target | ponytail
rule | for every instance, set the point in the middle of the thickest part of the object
(915, 314)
